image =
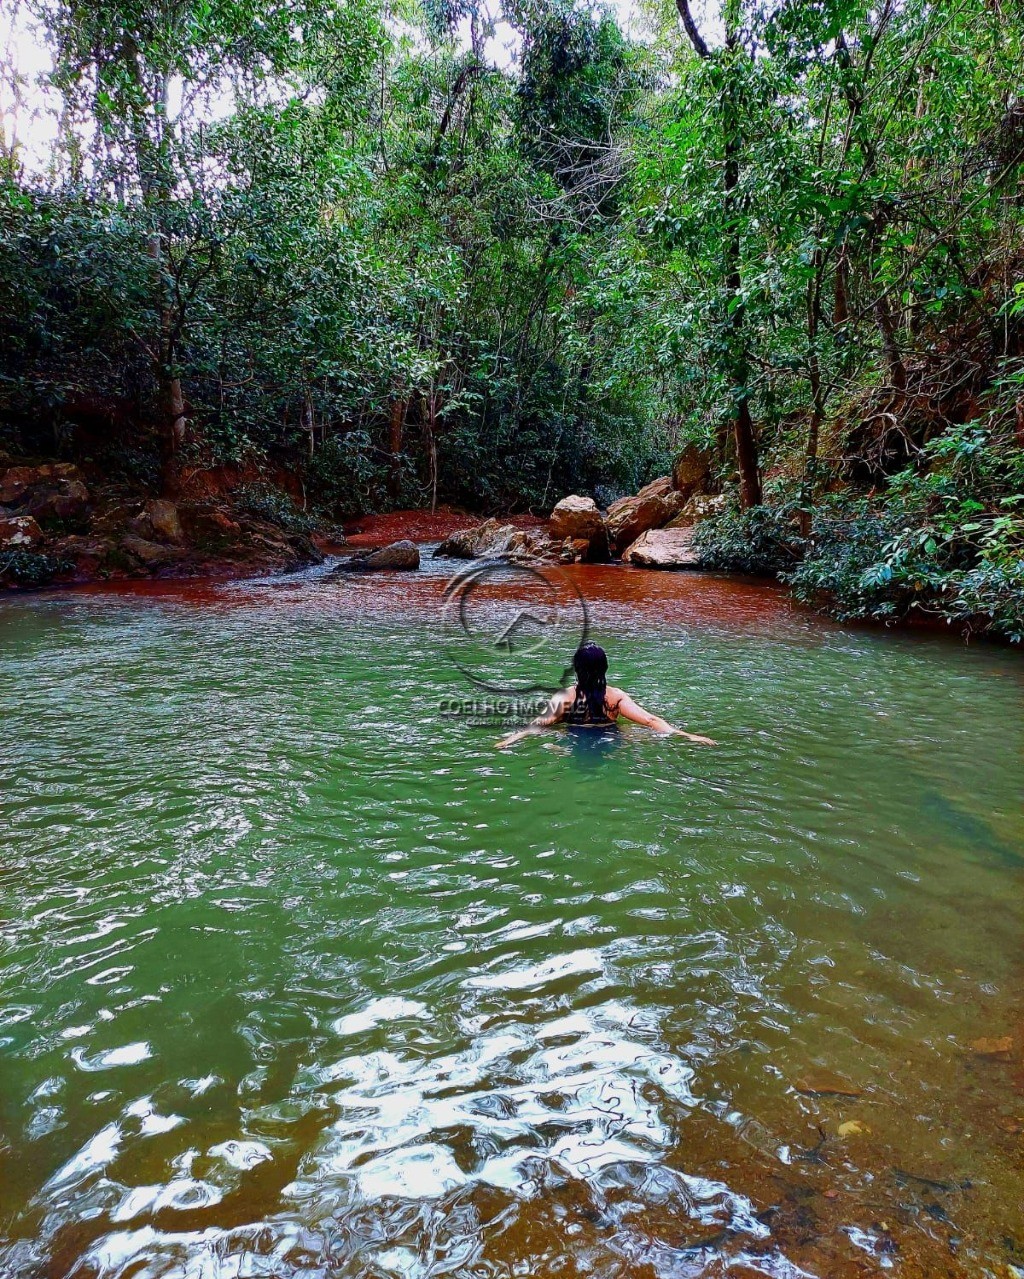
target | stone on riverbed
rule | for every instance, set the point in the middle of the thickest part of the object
(399, 555)
(489, 538)
(662, 548)
(822, 1083)
(997, 1048)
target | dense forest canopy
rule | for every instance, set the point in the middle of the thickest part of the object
(437, 253)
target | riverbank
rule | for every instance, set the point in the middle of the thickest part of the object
(64, 524)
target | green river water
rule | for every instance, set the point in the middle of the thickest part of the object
(303, 978)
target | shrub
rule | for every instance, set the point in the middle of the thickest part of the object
(274, 506)
(764, 541)
(32, 569)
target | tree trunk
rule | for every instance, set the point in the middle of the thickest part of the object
(887, 331)
(395, 431)
(170, 397)
(743, 432)
(743, 424)
(841, 312)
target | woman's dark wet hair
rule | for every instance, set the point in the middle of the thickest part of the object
(590, 663)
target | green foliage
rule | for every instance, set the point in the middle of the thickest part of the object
(32, 570)
(274, 506)
(945, 541)
(764, 541)
(370, 252)
(347, 476)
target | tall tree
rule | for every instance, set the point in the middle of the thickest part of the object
(730, 119)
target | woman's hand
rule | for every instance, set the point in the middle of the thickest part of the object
(517, 736)
(696, 738)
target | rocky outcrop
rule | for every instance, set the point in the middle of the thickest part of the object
(17, 482)
(653, 507)
(492, 540)
(702, 506)
(54, 492)
(489, 538)
(662, 548)
(691, 471)
(68, 503)
(19, 532)
(574, 550)
(399, 555)
(56, 526)
(150, 554)
(91, 556)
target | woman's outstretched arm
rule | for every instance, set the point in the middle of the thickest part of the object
(554, 712)
(628, 708)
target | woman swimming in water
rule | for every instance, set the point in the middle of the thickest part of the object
(592, 703)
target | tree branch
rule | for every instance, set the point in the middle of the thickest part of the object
(696, 39)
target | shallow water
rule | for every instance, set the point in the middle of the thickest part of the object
(302, 978)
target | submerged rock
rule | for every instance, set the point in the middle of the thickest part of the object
(399, 555)
(997, 1049)
(662, 548)
(821, 1083)
(853, 1128)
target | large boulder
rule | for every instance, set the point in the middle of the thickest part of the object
(653, 507)
(489, 538)
(19, 532)
(15, 483)
(91, 556)
(18, 481)
(662, 548)
(158, 521)
(399, 555)
(691, 471)
(578, 519)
